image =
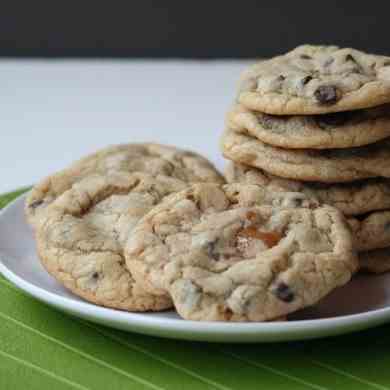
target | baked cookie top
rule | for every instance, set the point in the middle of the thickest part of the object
(336, 130)
(316, 80)
(240, 253)
(325, 165)
(150, 158)
(353, 198)
(80, 238)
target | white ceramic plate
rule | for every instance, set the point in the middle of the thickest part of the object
(363, 303)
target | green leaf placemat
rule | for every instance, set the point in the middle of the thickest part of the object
(41, 348)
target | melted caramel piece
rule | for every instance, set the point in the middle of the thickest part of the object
(251, 216)
(269, 238)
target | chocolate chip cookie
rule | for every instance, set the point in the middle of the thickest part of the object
(316, 80)
(337, 130)
(376, 261)
(149, 158)
(371, 230)
(80, 237)
(353, 198)
(225, 255)
(333, 165)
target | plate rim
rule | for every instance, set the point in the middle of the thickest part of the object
(194, 330)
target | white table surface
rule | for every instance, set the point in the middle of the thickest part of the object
(53, 112)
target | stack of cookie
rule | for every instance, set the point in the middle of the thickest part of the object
(147, 227)
(317, 120)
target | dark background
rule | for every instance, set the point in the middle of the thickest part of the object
(187, 29)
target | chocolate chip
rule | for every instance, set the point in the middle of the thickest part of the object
(306, 79)
(211, 250)
(280, 78)
(268, 121)
(326, 94)
(355, 69)
(95, 275)
(326, 121)
(329, 61)
(297, 202)
(305, 57)
(36, 204)
(283, 292)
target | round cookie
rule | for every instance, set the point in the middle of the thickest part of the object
(150, 158)
(316, 80)
(354, 198)
(236, 253)
(371, 231)
(337, 130)
(241, 195)
(375, 261)
(81, 236)
(334, 165)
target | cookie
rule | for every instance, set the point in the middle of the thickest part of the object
(333, 165)
(236, 253)
(327, 131)
(149, 158)
(354, 198)
(242, 195)
(376, 261)
(371, 231)
(80, 238)
(316, 80)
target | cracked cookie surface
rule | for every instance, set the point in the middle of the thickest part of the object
(333, 165)
(150, 158)
(337, 130)
(240, 253)
(316, 80)
(354, 198)
(80, 239)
